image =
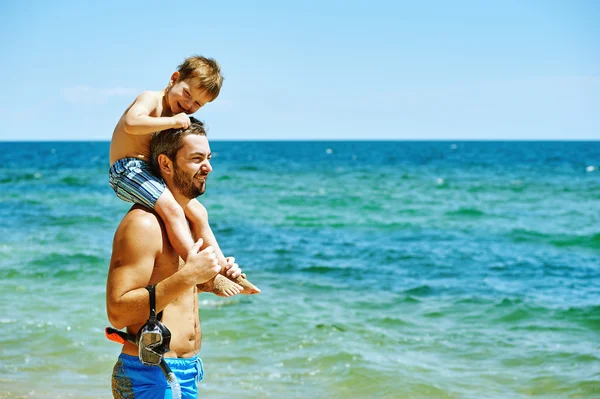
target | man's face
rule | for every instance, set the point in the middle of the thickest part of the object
(192, 166)
(183, 96)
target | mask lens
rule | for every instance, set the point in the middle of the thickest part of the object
(149, 342)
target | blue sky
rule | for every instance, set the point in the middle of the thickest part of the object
(309, 69)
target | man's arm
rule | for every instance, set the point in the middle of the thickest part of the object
(137, 244)
(137, 119)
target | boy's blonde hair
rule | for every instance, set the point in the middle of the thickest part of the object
(205, 72)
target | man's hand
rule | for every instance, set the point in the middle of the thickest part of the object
(181, 120)
(203, 264)
(232, 269)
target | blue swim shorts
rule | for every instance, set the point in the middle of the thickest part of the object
(133, 181)
(133, 380)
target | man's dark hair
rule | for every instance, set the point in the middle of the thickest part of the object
(170, 141)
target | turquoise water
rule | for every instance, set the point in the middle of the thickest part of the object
(388, 269)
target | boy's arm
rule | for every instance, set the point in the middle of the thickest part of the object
(137, 119)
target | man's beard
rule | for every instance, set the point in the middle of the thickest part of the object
(185, 183)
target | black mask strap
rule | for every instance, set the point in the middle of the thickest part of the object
(153, 323)
(152, 293)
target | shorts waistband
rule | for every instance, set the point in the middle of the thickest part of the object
(175, 363)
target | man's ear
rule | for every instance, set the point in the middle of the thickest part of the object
(174, 78)
(165, 165)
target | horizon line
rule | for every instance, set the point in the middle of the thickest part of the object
(336, 140)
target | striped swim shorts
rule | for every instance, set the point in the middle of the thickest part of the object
(133, 181)
(133, 380)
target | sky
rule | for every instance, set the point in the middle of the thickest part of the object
(309, 70)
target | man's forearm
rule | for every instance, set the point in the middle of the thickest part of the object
(134, 306)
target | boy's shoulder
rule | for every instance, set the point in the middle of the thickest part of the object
(151, 95)
(150, 100)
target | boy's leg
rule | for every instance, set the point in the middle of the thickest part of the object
(178, 229)
(181, 239)
(133, 181)
(198, 217)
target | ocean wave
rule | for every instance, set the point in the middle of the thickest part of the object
(518, 314)
(349, 222)
(389, 322)
(294, 201)
(544, 318)
(84, 220)
(588, 316)
(408, 299)
(466, 212)
(515, 186)
(423, 290)
(18, 178)
(75, 181)
(322, 286)
(328, 270)
(250, 168)
(591, 241)
(58, 266)
(331, 327)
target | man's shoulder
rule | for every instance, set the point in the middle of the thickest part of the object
(140, 220)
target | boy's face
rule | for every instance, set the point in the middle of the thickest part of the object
(184, 96)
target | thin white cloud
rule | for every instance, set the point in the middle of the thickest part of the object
(91, 95)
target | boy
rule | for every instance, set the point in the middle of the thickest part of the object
(197, 82)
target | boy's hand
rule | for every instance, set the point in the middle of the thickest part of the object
(181, 121)
(232, 269)
(204, 264)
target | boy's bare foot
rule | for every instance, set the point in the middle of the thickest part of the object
(247, 287)
(221, 286)
(225, 287)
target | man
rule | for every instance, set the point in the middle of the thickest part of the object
(142, 256)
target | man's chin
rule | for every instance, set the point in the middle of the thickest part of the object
(196, 192)
(200, 188)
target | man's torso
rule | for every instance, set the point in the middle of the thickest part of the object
(181, 316)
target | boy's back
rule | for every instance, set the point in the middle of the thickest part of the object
(125, 145)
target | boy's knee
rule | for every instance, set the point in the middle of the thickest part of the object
(170, 209)
(196, 211)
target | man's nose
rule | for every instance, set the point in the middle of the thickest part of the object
(207, 167)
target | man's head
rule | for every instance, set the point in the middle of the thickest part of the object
(197, 81)
(182, 158)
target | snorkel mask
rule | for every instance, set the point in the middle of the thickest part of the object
(153, 341)
(154, 337)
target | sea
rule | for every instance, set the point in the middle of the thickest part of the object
(400, 269)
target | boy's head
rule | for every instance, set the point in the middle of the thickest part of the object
(197, 81)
